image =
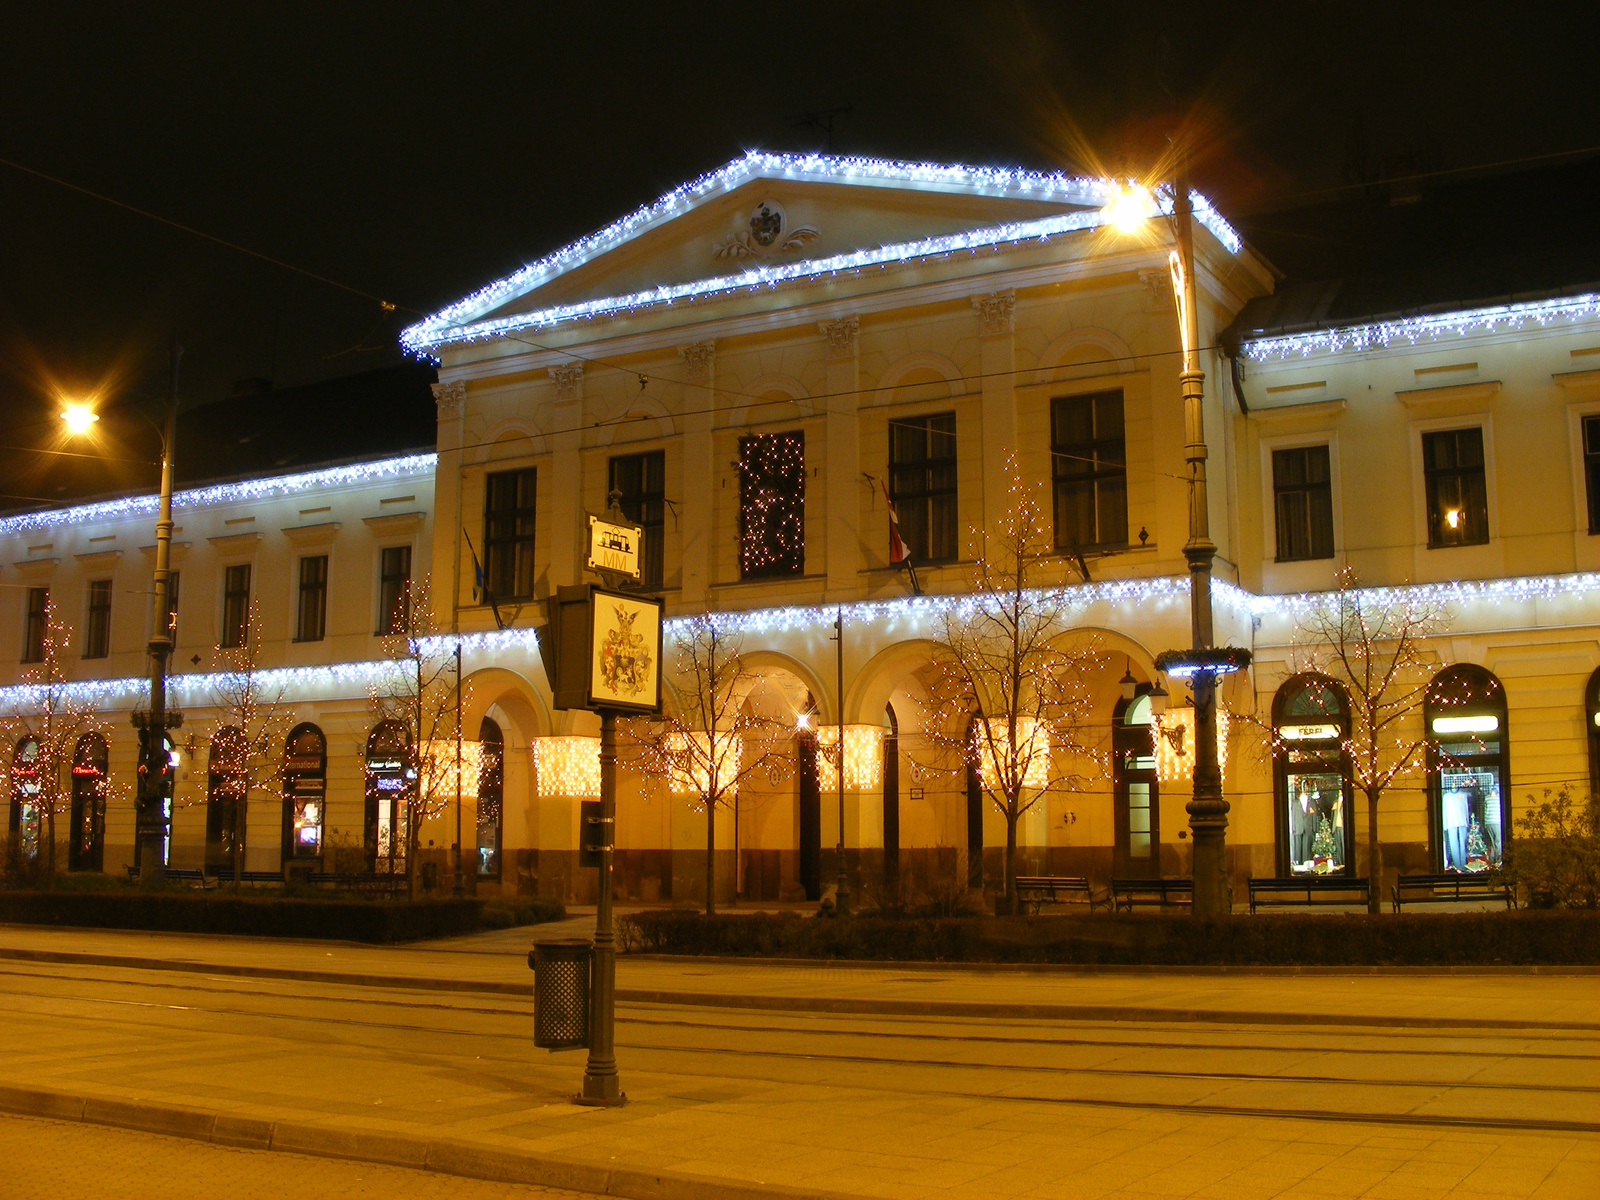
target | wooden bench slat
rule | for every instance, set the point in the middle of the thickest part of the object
(1309, 889)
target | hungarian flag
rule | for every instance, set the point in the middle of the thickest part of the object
(480, 583)
(897, 548)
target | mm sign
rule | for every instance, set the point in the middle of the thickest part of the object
(614, 547)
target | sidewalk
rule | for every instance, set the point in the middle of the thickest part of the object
(494, 1108)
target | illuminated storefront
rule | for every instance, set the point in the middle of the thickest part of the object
(1465, 710)
(1311, 773)
(389, 781)
(24, 823)
(305, 785)
(86, 850)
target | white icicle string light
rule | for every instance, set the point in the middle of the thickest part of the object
(909, 616)
(455, 323)
(223, 493)
(567, 766)
(863, 758)
(1380, 335)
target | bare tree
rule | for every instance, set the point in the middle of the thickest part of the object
(704, 747)
(1372, 644)
(56, 718)
(420, 694)
(1004, 658)
(252, 729)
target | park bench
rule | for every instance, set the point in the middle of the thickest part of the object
(1309, 889)
(1035, 891)
(1452, 888)
(224, 874)
(1161, 893)
(371, 884)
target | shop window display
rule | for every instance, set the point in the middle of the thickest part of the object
(1465, 710)
(1311, 723)
(389, 781)
(305, 782)
(25, 799)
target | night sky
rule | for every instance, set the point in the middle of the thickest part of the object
(412, 153)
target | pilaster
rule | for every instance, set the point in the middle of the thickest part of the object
(450, 400)
(695, 529)
(998, 407)
(565, 488)
(842, 547)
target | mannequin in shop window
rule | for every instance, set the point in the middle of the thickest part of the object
(1302, 826)
(1456, 805)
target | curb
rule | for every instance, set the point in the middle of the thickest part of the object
(443, 1156)
(1043, 968)
(824, 1004)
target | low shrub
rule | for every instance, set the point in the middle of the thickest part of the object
(1357, 939)
(502, 912)
(262, 916)
(1555, 857)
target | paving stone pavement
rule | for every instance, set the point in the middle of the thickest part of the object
(1403, 1085)
(69, 1161)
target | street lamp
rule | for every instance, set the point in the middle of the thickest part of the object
(1208, 811)
(153, 726)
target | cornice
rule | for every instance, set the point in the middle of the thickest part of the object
(1449, 395)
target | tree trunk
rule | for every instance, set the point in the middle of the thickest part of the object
(1011, 859)
(1374, 855)
(711, 856)
(238, 844)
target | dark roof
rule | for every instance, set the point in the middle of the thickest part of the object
(255, 433)
(1428, 246)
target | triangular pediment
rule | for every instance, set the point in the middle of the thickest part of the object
(766, 218)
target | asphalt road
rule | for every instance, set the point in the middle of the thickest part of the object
(886, 1105)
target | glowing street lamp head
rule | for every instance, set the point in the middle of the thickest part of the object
(1129, 209)
(79, 417)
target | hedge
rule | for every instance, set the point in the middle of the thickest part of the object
(1439, 939)
(345, 920)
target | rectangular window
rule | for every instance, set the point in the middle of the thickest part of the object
(394, 590)
(97, 628)
(1303, 501)
(1090, 471)
(33, 630)
(1458, 499)
(312, 621)
(508, 533)
(235, 605)
(172, 607)
(922, 484)
(642, 480)
(772, 505)
(1591, 469)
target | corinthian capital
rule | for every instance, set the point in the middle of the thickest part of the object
(996, 310)
(568, 379)
(841, 335)
(450, 399)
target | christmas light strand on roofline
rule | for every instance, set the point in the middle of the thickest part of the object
(1411, 331)
(267, 488)
(455, 323)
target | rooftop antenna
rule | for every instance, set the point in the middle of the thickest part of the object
(823, 119)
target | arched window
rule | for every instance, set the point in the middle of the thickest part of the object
(1591, 722)
(1136, 851)
(491, 798)
(24, 824)
(1468, 777)
(389, 781)
(86, 850)
(305, 788)
(1311, 776)
(227, 780)
(891, 796)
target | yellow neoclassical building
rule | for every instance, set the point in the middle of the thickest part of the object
(758, 362)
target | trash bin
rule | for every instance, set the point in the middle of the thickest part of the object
(561, 992)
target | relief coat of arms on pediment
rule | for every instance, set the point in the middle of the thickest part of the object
(763, 230)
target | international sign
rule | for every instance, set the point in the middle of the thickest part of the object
(614, 548)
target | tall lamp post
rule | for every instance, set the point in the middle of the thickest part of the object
(1208, 810)
(156, 765)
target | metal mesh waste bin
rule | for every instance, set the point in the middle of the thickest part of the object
(561, 992)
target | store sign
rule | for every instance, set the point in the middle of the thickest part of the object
(1481, 724)
(1308, 733)
(614, 548)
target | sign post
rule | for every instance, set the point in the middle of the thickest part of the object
(602, 651)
